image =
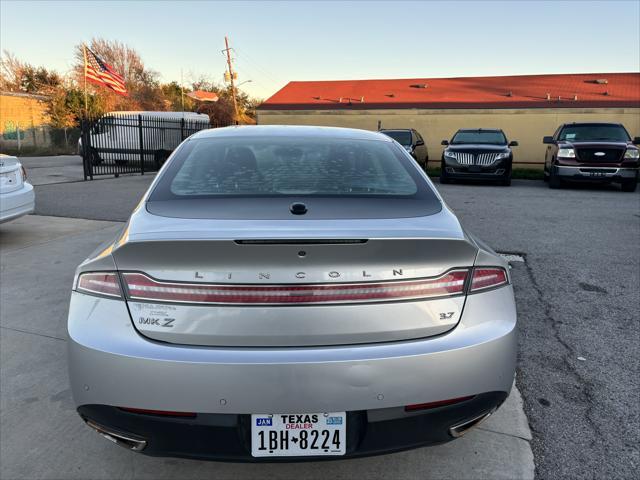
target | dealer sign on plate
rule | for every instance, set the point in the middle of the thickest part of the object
(298, 434)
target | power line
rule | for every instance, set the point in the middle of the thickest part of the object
(257, 82)
(266, 72)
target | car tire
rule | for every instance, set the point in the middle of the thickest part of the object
(506, 182)
(629, 185)
(554, 180)
(444, 178)
(95, 157)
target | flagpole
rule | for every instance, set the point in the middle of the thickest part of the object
(86, 101)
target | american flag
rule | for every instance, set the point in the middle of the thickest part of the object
(99, 72)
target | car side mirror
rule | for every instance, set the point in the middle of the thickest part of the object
(419, 143)
(444, 142)
(513, 143)
(548, 140)
(636, 140)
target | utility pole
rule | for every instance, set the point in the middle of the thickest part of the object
(233, 85)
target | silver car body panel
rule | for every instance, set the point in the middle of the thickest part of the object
(247, 359)
(110, 363)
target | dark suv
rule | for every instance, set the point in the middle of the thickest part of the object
(592, 152)
(412, 142)
(477, 154)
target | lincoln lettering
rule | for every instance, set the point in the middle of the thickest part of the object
(333, 274)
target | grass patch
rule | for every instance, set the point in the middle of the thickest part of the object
(30, 151)
(433, 171)
(527, 173)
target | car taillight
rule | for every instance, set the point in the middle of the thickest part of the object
(141, 287)
(440, 403)
(162, 413)
(99, 283)
(487, 277)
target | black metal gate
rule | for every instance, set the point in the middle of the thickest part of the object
(132, 143)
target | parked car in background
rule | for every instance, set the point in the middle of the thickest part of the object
(477, 154)
(286, 293)
(412, 142)
(592, 152)
(116, 136)
(17, 197)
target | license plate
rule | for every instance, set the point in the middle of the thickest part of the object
(298, 435)
(597, 174)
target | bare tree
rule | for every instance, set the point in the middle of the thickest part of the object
(18, 76)
(124, 60)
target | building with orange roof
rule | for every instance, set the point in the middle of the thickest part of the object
(526, 107)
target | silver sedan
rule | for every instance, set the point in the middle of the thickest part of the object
(290, 293)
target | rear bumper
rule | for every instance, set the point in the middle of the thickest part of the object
(595, 174)
(110, 364)
(18, 203)
(227, 437)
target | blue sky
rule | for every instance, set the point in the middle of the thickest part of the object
(277, 42)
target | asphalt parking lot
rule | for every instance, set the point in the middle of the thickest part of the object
(577, 295)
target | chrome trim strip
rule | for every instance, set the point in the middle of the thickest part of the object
(125, 441)
(572, 170)
(460, 429)
(130, 297)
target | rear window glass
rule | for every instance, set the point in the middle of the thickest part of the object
(488, 137)
(402, 137)
(262, 166)
(581, 133)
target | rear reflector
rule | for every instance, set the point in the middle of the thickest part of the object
(163, 413)
(439, 403)
(141, 287)
(99, 283)
(491, 277)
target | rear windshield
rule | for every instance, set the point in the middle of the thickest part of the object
(488, 137)
(402, 137)
(281, 167)
(586, 133)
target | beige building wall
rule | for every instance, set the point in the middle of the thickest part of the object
(527, 126)
(23, 121)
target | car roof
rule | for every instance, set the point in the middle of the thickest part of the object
(480, 130)
(291, 131)
(593, 123)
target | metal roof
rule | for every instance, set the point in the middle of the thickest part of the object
(523, 91)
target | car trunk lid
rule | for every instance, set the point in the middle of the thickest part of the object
(294, 287)
(10, 174)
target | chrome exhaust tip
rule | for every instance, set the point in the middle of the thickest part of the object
(461, 428)
(125, 441)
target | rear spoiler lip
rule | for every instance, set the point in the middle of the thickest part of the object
(145, 226)
(238, 237)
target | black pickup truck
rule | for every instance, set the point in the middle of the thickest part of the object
(592, 152)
